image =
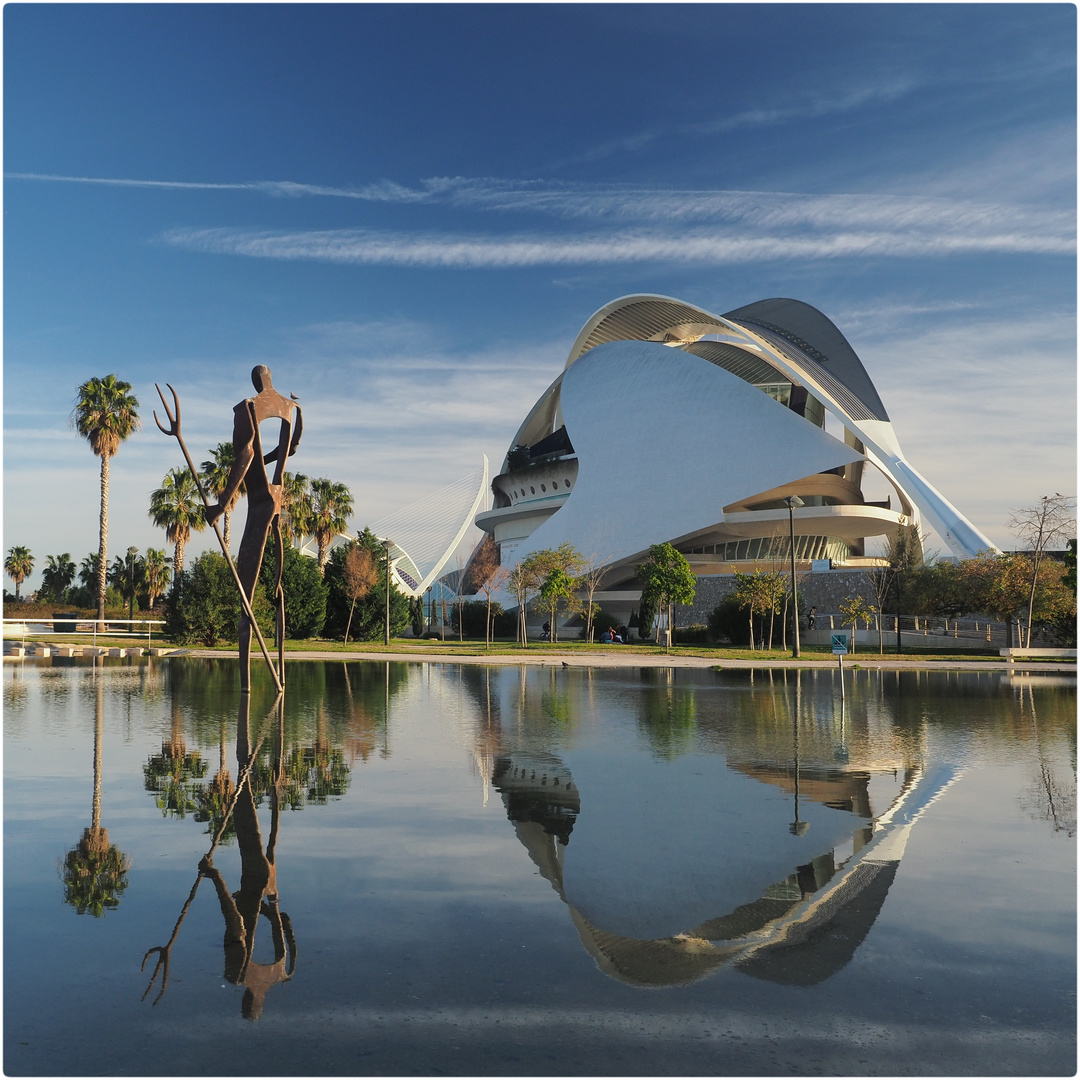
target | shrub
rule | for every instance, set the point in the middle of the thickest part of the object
(206, 608)
(304, 588)
(728, 623)
(474, 613)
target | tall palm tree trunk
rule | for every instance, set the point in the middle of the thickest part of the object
(103, 539)
(178, 558)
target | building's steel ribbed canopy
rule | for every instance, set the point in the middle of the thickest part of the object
(641, 320)
(749, 367)
(818, 339)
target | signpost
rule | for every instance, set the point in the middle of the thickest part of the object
(840, 650)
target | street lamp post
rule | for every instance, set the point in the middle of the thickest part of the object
(131, 552)
(386, 628)
(793, 501)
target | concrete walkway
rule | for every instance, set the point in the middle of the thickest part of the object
(867, 661)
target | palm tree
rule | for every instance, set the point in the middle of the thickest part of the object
(88, 574)
(105, 414)
(177, 508)
(331, 505)
(57, 576)
(19, 565)
(126, 576)
(296, 507)
(156, 574)
(215, 474)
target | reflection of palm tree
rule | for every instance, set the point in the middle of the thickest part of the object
(171, 773)
(214, 800)
(95, 871)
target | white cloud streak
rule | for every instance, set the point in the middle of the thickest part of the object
(766, 209)
(700, 247)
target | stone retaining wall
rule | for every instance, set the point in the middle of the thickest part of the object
(825, 590)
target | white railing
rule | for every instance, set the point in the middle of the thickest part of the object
(50, 627)
(972, 631)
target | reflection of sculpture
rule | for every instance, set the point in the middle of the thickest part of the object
(263, 495)
(95, 871)
(257, 895)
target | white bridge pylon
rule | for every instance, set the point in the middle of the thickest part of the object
(425, 534)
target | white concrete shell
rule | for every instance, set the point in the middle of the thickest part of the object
(658, 429)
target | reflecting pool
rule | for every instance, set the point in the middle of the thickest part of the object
(402, 869)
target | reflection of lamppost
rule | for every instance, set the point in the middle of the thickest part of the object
(793, 501)
(797, 827)
(386, 634)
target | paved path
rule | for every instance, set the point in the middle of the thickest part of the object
(660, 660)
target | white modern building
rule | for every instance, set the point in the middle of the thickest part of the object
(671, 423)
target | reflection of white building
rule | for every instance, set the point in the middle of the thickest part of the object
(670, 423)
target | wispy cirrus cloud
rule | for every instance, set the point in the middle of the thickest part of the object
(813, 107)
(625, 202)
(381, 191)
(371, 247)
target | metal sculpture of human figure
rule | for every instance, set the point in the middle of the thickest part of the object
(263, 498)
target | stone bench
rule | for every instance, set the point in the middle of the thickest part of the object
(1051, 654)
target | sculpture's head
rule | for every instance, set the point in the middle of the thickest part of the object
(260, 378)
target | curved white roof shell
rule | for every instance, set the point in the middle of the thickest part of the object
(636, 366)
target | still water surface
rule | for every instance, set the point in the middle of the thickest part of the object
(449, 869)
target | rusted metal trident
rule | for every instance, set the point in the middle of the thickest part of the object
(174, 429)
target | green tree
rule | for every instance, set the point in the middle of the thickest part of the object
(755, 595)
(667, 580)
(156, 575)
(126, 576)
(304, 589)
(57, 576)
(19, 565)
(557, 588)
(855, 610)
(331, 506)
(207, 610)
(105, 414)
(177, 508)
(215, 477)
(369, 611)
(535, 568)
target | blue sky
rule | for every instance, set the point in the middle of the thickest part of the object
(408, 212)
